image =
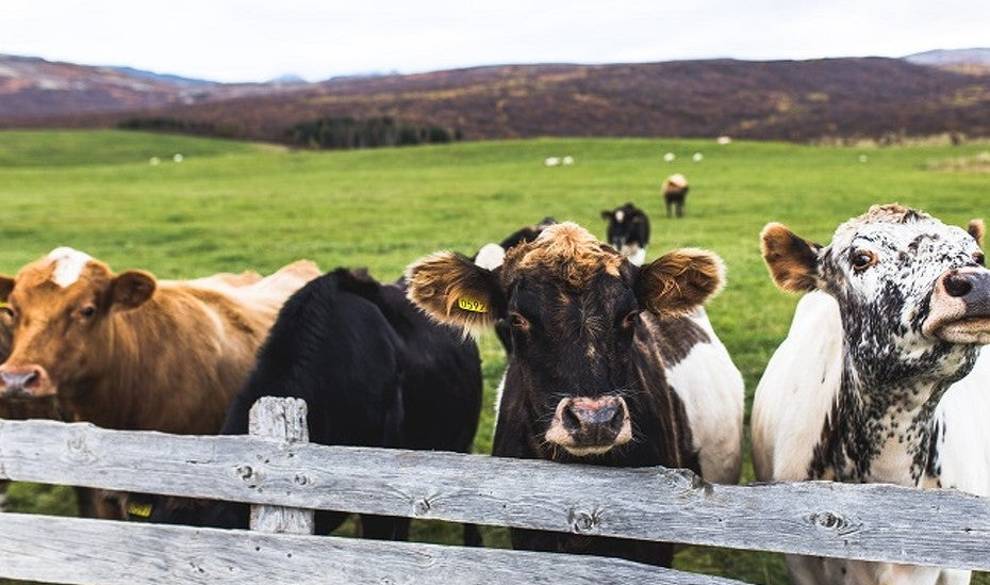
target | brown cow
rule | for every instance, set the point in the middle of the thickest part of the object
(125, 351)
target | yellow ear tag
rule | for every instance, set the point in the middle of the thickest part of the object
(473, 305)
(139, 510)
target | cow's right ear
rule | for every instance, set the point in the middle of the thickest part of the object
(451, 289)
(606, 215)
(131, 289)
(6, 286)
(793, 261)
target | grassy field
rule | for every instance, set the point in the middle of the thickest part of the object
(232, 206)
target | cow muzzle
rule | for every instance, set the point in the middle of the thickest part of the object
(24, 382)
(960, 307)
(590, 426)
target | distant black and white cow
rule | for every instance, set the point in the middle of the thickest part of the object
(675, 189)
(374, 371)
(628, 231)
(860, 389)
(602, 352)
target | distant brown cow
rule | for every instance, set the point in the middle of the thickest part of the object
(675, 189)
(125, 351)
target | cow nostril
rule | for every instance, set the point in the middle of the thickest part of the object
(617, 420)
(570, 419)
(957, 285)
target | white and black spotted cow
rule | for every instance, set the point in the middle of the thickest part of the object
(860, 389)
(609, 363)
(628, 231)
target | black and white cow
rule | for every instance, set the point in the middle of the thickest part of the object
(628, 231)
(491, 255)
(860, 389)
(374, 371)
(598, 351)
(675, 190)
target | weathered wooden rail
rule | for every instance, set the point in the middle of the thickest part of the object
(285, 477)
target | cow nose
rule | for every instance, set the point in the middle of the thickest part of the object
(586, 426)
(592, 416)
(972, 287)
(20, 380)
(957, 284)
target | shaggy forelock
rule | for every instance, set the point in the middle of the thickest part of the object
(566, 251)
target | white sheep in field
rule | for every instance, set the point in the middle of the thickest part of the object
(723, 140)
(552, 161)
(568, 160)
(669, 157)
(698, 157)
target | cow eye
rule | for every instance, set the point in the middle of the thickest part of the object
(518, 321)
(863, 259)
(980, 258)
(87, 311)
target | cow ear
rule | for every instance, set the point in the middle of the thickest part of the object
(792, 261)
(451, 289)
(131, 289)
(606, 215)
(680, 282)
(976, 229)
(6, 286)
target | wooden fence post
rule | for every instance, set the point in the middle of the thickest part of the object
(281, 419)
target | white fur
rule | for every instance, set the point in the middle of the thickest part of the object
(69, 264)
(792, 402)
(638, 257)
(620, 215)
(490, 256)
(552, 161)
(713, 392)
(498, 397)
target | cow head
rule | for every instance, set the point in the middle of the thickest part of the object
(913, 292)
(60, 308)
(628, 231)
(574, 308)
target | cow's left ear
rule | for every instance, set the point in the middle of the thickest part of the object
(132, 289)
(680, 282)
(6, 287)
(452, 289)
(976, 229)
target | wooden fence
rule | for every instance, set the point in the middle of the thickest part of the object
(284, 478)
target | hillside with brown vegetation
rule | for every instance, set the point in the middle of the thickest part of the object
(789, 100)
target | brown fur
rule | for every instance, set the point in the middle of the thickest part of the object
(976, 229)
(792, 261)
(171, 363)
(439, 281)
(566, 250)
(680, 281)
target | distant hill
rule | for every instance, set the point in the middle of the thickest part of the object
(164, 77)
(971, 61)
(790, 100)
(33, 89)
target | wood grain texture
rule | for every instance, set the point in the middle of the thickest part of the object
(84, 552)
(868, 522)
(283, 420)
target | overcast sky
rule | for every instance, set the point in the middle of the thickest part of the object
(241, 40)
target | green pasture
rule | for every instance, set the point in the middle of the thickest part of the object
(231, 206)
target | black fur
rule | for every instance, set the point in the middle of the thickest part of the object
(579, 343)
(633, 230)
(374, 371)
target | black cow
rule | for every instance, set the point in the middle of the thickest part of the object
(590, 336)
(375, 372)
(628, 231)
